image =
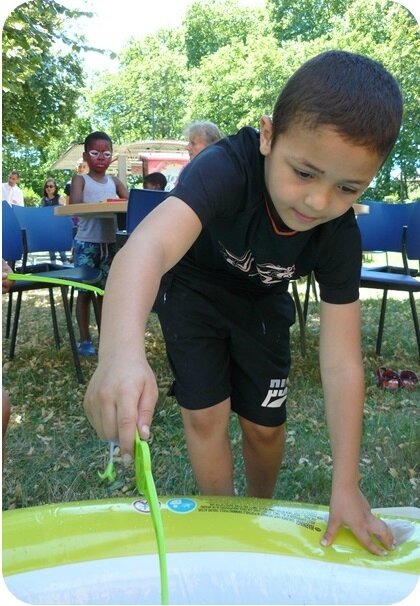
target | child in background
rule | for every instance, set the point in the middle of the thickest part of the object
(155, 181)
(95, 241)
(250, 213)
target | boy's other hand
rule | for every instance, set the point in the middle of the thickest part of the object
(120, 398)
(350, 508)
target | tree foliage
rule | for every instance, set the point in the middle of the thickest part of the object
(226, 64)
(42, 75)
(304, 19)
(212, 24)
(147, 98)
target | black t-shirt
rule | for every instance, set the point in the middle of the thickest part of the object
(239, 248)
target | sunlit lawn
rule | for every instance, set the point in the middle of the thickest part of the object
(52, 454)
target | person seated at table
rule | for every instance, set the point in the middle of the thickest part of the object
(95, 240)
(155, 181)
(200, 135)
(51, 197)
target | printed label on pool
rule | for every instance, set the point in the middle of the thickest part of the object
(181, 505)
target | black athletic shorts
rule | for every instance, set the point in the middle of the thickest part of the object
(224, 344)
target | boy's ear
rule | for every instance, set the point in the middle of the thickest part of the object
(266, 131)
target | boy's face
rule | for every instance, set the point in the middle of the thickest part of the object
(314, 175)
(98, 156)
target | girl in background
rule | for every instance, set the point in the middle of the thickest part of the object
(51, 197)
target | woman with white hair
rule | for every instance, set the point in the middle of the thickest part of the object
(200, 135)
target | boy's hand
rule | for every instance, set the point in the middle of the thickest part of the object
(5, 283)
(121, 397)
(350, 508)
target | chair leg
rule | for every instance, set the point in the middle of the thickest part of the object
(54, 319)
(415, 319)
(9, 315)
(310, 285)
(381, 323)
(300, 318)
(307, 295)
(15, 326)
(72, 339)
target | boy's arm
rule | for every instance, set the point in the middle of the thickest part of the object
(122, 393)
(122, 191)
(343, 384)
(76, 190)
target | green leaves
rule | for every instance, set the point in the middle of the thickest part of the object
(226, 64)
(212, 24)
(42, 75)
(304, 20)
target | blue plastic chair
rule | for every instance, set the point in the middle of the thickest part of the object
(403, 279)
(28, 230)
(140, 203)
(381, 229)
(12, 252)
(412, 241)
(44, 230)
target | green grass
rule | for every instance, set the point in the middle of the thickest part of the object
(52, 453)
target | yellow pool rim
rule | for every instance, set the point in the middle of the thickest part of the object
(65, 533)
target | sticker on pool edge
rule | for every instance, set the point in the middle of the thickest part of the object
(181, 505)
(142, 506)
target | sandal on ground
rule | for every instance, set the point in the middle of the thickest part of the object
(388, 378)
(408, 379)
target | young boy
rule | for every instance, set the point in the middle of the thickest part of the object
(251, 212)
(94, 244)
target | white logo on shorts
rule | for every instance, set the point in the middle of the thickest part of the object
(278, 390)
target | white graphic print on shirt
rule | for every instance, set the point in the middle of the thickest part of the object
(268, 272)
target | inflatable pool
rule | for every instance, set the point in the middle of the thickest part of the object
(220, 550)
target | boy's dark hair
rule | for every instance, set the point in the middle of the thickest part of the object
(352, 93)
(155, 179)
(95, 136)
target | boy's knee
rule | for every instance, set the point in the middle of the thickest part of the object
(199, 421)
(206, 421)
(262, 434)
